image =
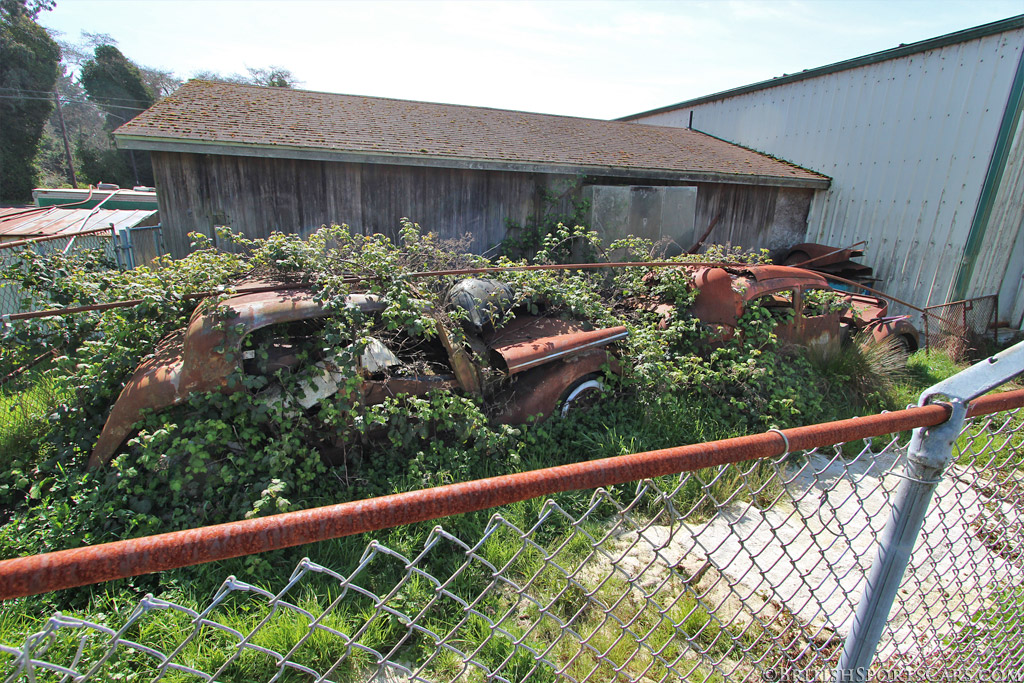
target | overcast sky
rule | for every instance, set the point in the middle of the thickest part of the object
(594, 59)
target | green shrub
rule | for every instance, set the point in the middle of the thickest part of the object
(221, 457)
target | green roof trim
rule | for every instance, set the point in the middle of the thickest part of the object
(993, 179)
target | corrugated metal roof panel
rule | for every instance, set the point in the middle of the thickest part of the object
(19, 223)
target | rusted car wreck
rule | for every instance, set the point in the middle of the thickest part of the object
(528, 367)
(531, 366)
(795, 295)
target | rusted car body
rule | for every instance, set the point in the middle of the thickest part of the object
(521, 369)
(725, 292)
(531, 363)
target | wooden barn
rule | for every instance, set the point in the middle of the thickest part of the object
(263, 159)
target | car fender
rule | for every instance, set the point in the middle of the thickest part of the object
(537, 391)
(885, 328)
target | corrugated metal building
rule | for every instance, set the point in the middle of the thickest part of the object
(925, 147)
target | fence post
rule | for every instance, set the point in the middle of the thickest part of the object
(123, 248)
(930, 451)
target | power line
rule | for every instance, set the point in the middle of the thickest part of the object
(27, 92)
(70, 101)
(49, 93)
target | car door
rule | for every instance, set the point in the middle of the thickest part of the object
(818, 317)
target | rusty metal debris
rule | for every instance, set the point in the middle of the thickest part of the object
(830, 261)
(82, 566)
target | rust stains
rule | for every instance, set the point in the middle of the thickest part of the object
(529, 342)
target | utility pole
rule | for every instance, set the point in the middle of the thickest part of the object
(67, 147)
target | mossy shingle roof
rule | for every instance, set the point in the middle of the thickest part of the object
(227, 118)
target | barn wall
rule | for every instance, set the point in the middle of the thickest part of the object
(753, 216)
(750, 216)
(257, 196)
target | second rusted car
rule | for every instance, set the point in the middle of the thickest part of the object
(797, 296)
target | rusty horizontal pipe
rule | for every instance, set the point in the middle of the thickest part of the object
(50, 238)
(71, 310)
(126, 303)
(578, 266)
(94, 564)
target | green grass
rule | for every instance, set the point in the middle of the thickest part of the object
(619, 626)
(24, 409)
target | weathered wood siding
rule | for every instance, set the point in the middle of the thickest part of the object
(753, 216)
(257, 196)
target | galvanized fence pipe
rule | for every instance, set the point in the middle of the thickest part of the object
(930, 452)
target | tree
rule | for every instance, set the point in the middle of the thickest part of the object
(24, 8)
(272, 76)
(117, 85)
(94, 156)
(29, 66)
(161, 83)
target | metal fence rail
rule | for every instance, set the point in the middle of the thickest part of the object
(124, 248)
(747, 571)
(12, 298)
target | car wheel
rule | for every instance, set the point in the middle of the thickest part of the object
(584, 393)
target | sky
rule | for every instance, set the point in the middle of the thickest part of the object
(575, 58)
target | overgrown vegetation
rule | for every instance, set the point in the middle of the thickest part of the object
(559, 207)
(221, 457)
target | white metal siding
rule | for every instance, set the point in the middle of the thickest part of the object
(1001, 259)
(907, 142)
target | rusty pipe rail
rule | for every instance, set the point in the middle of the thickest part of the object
(94, 564)
(578, 266)
(126, 303)
(50, 238)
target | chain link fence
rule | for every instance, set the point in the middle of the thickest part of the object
(12, 254)
(743, 572)
(961, 327)
(26, 395)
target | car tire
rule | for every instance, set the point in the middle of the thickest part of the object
(583, 393)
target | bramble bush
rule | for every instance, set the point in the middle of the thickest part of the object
(220, 457)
